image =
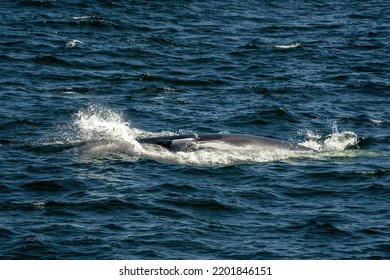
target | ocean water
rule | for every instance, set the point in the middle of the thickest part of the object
(76, 184)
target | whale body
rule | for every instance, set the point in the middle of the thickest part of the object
(192, 142)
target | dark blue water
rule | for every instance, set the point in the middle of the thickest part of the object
(75, 183)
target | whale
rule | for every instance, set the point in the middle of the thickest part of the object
(219, 141)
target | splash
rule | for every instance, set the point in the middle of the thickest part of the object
(98, 124)
(336, 141)
(105, 132)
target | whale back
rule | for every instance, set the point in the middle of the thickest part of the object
(219, 142)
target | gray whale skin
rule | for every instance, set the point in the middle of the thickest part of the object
(191, 142)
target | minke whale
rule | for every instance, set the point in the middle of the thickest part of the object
(217, 141)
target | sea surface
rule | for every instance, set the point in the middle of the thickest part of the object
(76, 184)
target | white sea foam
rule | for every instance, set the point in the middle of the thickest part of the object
(377, 122)
(101, 124)
(336, 141)
(40, 204)
(82, 17)
(290, 46)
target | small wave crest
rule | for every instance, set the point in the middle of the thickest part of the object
(288, 47)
